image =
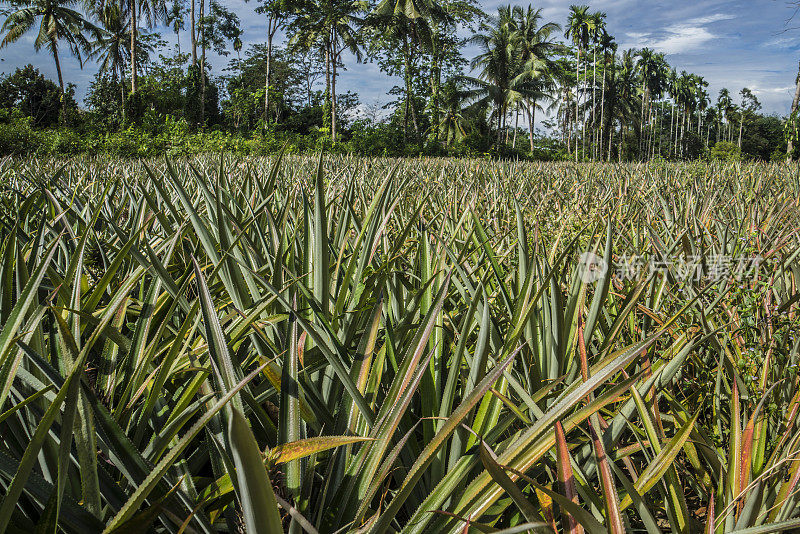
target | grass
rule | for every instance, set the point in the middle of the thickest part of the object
(339, 344)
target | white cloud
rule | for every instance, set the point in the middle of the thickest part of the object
(773, 90)
(678, 38)
(781, 42)
(682, 38)
(711, 18)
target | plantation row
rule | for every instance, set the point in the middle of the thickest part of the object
(338, 344)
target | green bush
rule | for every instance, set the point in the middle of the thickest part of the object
(725, 151)
(157, 134)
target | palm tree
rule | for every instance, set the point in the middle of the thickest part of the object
(711, 119)
(444, 40)
(597, 31)
(563, 106)
(153, 11)
(750, 105)
(686, 94)
(621, 99)
(501, 80)
(606, 44)
(672, 89)
(276, 11)
(651, 68)
(537, 51)
(110, 49)
(644, 66)
(330, 26)
(578, 29)
(701, 104)
(657, 85)
(175, 19)
(451, 127)
(58, 22)
(409, 23)
(725, 107)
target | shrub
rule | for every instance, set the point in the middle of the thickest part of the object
(725, 151)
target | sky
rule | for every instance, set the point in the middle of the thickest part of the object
(753, 44)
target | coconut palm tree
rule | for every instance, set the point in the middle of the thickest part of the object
(110, 48)
(672, 89)
(175, 19)
(724, 109)
(607, 45)
(410, 23)
(686, 93)
(651, 68)
(537, 51)
(578, 29)
(276, 12)
(597, 30)
(153, 11)
(58, 22)
(644, 67)
(330, 26)
(451, 127)
(621, 99)
(501, 81)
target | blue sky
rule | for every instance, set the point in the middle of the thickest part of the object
(732, 44)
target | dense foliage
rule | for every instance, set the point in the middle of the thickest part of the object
(420, 345)
(599, 103)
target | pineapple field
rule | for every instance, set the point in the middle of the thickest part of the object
(340, 344)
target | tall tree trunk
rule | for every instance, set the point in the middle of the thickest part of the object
(409, 91)
(327, 117)
(741, 127)
(194, 37)
(60, 84)
(500, 112)
(795, 100)
(516, 126)
(309, 86)
(58, 71)
(531, 117)
(594, 85)
(671, 120)
(122, 90)
(436, 83)
(577, 94)
(602, 105)
(202, 66)
(641, 116)
(659, 125)
(583, 120)
(270, 34)
(607, 127)
(407, 82)
(334, 113)
(683, 130)
(133, 45)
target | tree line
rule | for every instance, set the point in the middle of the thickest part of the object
(600, 103)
